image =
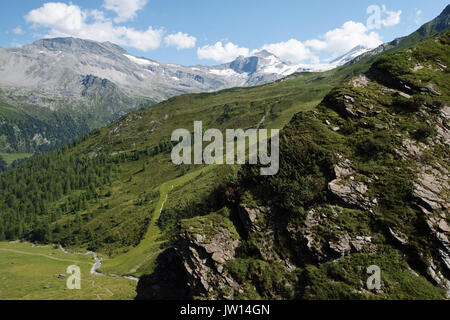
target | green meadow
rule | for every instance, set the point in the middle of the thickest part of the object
(32, 273)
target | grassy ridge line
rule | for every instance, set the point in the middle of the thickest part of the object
(149, 248)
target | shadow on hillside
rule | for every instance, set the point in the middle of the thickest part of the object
(168, 282)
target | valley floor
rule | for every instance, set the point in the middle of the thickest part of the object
(29, 272)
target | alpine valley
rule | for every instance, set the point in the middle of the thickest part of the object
(55, 90)
(363, 179)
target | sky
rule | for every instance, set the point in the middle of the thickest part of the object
(208, 32)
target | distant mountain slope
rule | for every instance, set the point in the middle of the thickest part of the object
(22, 133)
(90, 84)
(53, 72)
(350, 56)
(432, 29)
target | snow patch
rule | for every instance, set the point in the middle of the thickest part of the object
(224, 72)
(139, 61)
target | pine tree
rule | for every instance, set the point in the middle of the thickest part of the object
(3, 165)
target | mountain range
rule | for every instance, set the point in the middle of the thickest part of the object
(55, 90)
(88, 84)
(63, 72)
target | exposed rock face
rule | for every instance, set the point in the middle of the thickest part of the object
(432, 189)
(347, 188)
(401, 238)
(432, 193)
(342, 247)
(260, 221)
(204, 260)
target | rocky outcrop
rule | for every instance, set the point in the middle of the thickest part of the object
(260, 225)
(347, 188)
(204, 258)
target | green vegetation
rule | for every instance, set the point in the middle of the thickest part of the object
(21, 131)
(32, 273)
(100, 192)
(3, 164)
(140, 260)
(373, 120)
(341, 280)
(11, 158)
(262, 279)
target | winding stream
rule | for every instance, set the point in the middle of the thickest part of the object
(97, 264)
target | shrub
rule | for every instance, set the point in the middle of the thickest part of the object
(423, 133)
(406, 104)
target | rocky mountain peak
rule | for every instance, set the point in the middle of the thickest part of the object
(264, 54)
(349, 56)
(75, 45)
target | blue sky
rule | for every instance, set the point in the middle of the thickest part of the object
(193, 32)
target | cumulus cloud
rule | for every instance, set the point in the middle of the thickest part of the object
(125, 9)
(334, 43)
(59, 16)
(345, 38)
(69, 20)
(18, 30)
(393, 17)
(222, 53)
(291, 50)
(180, 41)
(337, 42)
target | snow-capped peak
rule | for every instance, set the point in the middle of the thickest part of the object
(349, 56)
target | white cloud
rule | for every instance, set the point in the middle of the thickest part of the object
(125, 9)
(316, 44)
(334, 43)
(180, 41)
(18, 30)
(222, 53)
(393, 17)
(69, 20)
(291, 50)
(418, 17)
(59, 16)
(345, 38)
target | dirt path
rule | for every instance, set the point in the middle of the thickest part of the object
(37, 254)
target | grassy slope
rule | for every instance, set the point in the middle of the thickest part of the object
(31, 273)
(11, 157)
(132, 262)
(144, 129)
(116, 218)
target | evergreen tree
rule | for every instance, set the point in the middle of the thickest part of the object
(3, 164)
